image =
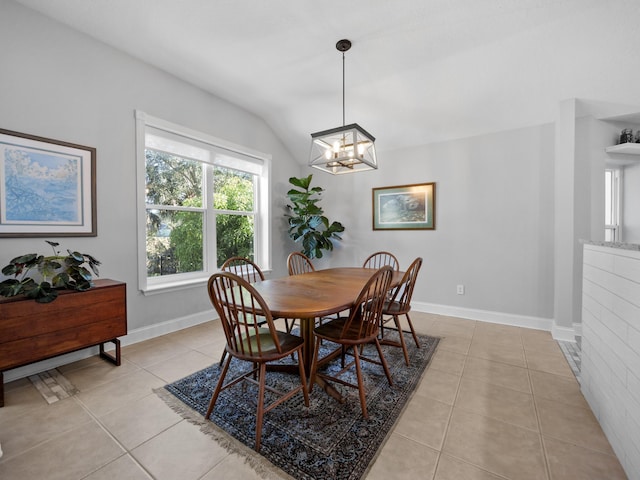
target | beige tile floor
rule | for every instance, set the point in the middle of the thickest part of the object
(497, 402)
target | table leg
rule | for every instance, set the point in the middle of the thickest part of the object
(306, 327)
(306, 330)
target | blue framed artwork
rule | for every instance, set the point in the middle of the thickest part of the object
(405, 207)
(47, 187)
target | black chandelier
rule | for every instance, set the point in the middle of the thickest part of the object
(346, 149)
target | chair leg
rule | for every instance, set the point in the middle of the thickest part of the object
(413, 332)
(216, 392)
(363, 397)
(382, 322)
(303, 378)
(383, 361)
(224, 354)
(314, 365)
(260, 411)
(289, 326)
(402, 342)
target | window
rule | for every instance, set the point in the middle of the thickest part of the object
(201, 200)
(612, 196)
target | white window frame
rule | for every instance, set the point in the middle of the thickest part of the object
(616, 204)
(221, 153)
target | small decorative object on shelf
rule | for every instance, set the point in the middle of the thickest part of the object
(55, 272)
(626, 136)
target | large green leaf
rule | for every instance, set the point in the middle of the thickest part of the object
(315, 221)
(301, 182)
(12, 269)
(313, 209)
(335, 227)
(11, 287)
(43, 292)
(76, 256)
(25, 259)
(79, 273)
(61, 280)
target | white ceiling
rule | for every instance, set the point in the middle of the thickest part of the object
(419, 71)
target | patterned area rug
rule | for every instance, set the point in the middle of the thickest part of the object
(328, 440)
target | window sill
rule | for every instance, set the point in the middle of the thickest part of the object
(174, 286)
(182, 284)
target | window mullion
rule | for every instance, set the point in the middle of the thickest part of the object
(209, 233)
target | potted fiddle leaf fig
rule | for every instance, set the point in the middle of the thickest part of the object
(307, 223)
(53, 272)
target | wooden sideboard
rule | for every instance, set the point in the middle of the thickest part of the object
(31, 331)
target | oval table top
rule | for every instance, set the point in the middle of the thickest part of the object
(316, 294)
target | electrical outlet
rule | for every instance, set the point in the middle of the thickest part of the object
(460, 289)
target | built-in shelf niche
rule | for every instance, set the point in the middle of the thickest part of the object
(626, 148)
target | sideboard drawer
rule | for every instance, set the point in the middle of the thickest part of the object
(31, 331)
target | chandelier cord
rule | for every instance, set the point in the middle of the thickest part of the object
(343, 116)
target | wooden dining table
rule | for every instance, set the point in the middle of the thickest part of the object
(313, 295)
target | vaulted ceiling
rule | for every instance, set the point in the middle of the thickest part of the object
(419, 71)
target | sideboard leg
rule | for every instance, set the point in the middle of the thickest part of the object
(1, 389)
(113, 359)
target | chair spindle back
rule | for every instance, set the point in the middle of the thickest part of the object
(380, 259)
(298, 263)
(243, 267)
(404, 291)
(239, 304)
(367, 309)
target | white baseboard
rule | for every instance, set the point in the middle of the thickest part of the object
(501, 318)
(563, 334)
(577, 328)
(170, 326)
(133, 336)
(566, 334)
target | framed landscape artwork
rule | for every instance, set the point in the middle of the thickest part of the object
(47, 187)
(405, 207)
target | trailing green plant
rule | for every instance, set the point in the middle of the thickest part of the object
(307, 224)
(56, 271)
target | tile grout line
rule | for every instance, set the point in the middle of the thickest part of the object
(543, 446)
(113, 438)
(455, 398)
